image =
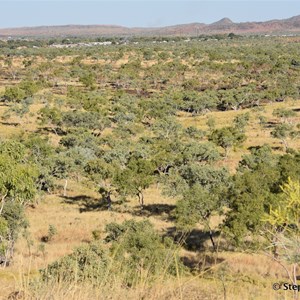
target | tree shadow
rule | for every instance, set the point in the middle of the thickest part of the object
(277, 148)
(198, 242)
(14, 124)
(271, 124)
(58, 131)
(157, 209)
(194, 240)
(86, 203)
(201, 262)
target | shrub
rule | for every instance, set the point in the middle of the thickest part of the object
(134, 253)
(87, 263)
(143, 253)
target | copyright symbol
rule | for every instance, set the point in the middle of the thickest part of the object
(276, 286)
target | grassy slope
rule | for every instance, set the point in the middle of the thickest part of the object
(248, 276)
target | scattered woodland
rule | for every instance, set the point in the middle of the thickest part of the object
(150, 168)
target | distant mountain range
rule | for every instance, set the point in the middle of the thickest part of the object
(223, 26)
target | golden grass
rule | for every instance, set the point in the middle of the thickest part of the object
(247, 276)
(236, 286)
(256, 135)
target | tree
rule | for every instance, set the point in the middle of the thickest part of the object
(241, 121)
(248, 198)
(167, 128)
(165, 154)
(283, 229)
(284, 114)
(63, 165)
(21, 91)
(227, 137)
(282, 132)
(88, 80)
(133, 180)
(51, 116)
(196, 206)
(40, 153)
(180, 179)
(288, 165)
(200, 152)
(102, 173)
(83, 119)
(258, 156)
(17, 189)
(14, 94)
(201, 189)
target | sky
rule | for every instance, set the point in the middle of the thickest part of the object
(140, 13)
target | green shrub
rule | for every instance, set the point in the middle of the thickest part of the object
(87, 263)
(135, 253)
(142, 252)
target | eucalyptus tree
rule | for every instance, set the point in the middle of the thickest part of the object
(227, 138)
(283, 132)
(135, 178)
(51, 117)
(17, 190)
(284, 114)
(196, 206)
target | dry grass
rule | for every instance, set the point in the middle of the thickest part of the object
(208, 287)
(256, 134)
(247, 276)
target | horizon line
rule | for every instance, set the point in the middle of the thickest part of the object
(142, 27)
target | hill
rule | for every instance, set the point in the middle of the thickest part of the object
(225, 25)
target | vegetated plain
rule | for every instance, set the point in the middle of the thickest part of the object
(173, 164)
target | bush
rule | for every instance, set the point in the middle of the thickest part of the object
(134, 253)
(142, 252)
(86, 263)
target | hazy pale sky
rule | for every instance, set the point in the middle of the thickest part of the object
(139, 12)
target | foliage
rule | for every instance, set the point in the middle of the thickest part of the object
(126, 117)
(282, 132)
(227, 137)
(282, 228)
(87, 263)
(17, 189)
(136, 252)
(241, 121)
(141, 250)
(133, 180)
(196, 206)
(18, 93)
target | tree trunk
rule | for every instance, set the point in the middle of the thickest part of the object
(275, 249)
(211, 234)
(212, 240)
(141, 198)
(227, 150)
(108, 199)
(285, 143)
(2, 203)
(65, 187)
